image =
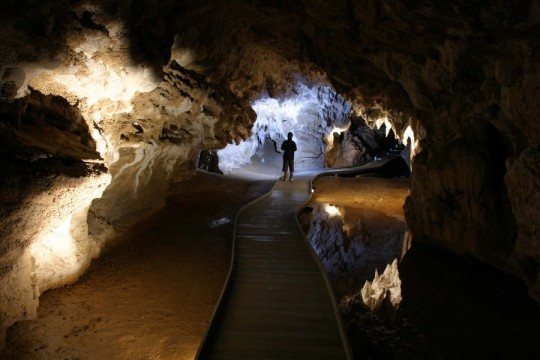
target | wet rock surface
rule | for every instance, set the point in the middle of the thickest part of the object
(356, 226)
(451, 307)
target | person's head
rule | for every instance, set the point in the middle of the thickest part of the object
(289, 135)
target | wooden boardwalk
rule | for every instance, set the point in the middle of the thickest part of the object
(278, 303)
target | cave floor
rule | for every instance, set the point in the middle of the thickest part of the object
(150, 296)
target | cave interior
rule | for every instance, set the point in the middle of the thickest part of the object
(103, 104)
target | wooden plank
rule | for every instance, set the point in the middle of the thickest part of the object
(279, 300)
(304, 325)
(283, 344)
(300, 318)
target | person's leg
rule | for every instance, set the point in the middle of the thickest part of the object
(284, 169)
(291, 169)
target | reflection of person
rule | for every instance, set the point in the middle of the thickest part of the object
(288, 147)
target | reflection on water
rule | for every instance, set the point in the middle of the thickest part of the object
(352, 243)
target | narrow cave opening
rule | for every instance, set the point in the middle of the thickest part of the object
(310, 109)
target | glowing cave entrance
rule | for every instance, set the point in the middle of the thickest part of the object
(311, 111)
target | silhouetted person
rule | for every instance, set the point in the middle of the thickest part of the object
(288, 147)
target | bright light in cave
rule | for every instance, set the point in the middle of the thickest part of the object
(106, 83)
(61, 248)
(311, 112)
(55, 251)
(330, 137)
(279, 117)
(332, 210)
(102, 88)
(408, 135)
(58, 241)
(386, 122)
(98, 80)
(287, 109)
(274, 119)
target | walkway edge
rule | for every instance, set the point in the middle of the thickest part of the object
(329, 288)
(227, 282)
(330, 172)
(219, 304)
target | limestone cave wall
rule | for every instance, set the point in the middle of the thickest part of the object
(103, 103)
(308, 108)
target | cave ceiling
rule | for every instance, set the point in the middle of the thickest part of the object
(402, 56)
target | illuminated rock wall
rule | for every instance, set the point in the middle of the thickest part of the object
(94, 127)
(44, 234)
(311, 110)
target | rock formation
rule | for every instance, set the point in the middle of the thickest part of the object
(111, 100)
(384, 288)
(309, 109)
